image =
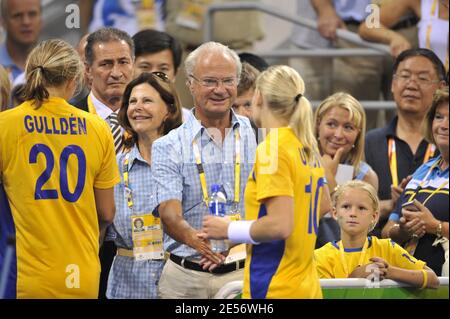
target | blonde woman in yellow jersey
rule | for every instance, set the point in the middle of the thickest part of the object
(282, 196)
(356, 208)
(58, 169)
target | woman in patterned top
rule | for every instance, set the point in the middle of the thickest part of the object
(150, 109)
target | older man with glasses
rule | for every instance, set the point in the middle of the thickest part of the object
(397, 150)
(214, 146)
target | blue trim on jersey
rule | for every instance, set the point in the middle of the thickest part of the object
(7, 228)
(352, 250)
(266, 258)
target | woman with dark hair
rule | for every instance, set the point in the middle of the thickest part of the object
(150, 109)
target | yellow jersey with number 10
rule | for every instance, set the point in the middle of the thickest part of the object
(284, 268)
(51, 159)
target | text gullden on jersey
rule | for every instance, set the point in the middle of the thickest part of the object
(55, 126)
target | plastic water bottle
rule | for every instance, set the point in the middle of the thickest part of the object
(217, 207)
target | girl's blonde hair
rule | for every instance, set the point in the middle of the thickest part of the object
(51, 63)
(357, 116)
(283, 88)
(357, 184)
(5, 88)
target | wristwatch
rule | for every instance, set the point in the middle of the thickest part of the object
(439, 230)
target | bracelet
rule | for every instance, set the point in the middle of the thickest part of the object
(425, 279)
(390, 229)
(439, 230)
(239, 232)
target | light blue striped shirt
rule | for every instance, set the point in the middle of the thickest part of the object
(176, 176)
(129, 278)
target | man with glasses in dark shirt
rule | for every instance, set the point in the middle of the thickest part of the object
(397, 150)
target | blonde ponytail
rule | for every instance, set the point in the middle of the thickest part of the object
(34, 88)
(283, 88)
(51, 63)
(302, 123)
(5, 88)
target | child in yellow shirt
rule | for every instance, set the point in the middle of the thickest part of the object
(356, 208)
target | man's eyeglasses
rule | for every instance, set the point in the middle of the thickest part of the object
(214, 83)
(422, 80)
(162, 76)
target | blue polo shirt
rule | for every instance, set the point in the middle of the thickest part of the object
(5, 60)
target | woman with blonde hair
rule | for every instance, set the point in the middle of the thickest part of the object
(420, 220)
(58, 169)
(5, 88)
(340, 130)
(282, 196)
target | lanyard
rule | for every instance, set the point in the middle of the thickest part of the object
(424, 180)
(392, 156)
(429, 29)
(91, 107)
(361, 258)
(126, 182)
(237, 169)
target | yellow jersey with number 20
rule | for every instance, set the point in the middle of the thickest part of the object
(51, 159)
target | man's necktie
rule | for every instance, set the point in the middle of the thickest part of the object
(116, 131)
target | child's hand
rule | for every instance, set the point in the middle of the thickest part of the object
(377, 268)
(382, 265)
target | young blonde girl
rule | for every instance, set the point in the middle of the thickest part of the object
(357, 255)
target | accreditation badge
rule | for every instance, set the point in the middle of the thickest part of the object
(192, 13)
(234, 213)
(238, 252)
(147, 237)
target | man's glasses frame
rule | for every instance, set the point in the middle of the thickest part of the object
(214, 83)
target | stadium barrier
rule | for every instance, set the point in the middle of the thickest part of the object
(354, 288)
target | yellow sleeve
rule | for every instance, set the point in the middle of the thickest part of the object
(273, 173)
(323, 265)
(402, 259)
(108, 175)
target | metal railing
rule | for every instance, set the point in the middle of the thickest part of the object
(341, 288)
(369, 49)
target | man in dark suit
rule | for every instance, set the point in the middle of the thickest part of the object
(109, 58)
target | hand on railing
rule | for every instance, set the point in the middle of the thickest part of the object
(399, 44)
(328, 22)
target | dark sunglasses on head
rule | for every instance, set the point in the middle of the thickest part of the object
(162, 76)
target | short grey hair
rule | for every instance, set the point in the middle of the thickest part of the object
(209, 47)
